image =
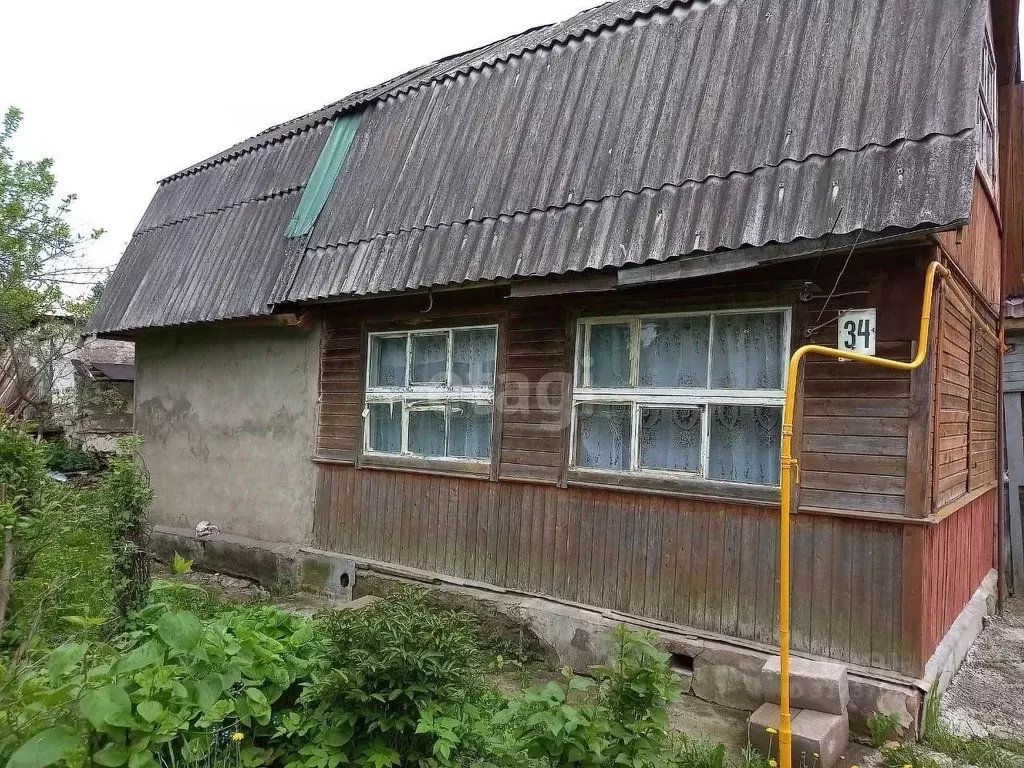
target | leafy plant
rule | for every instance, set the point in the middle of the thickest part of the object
(881, 727)
(61, 456)
(702, 753)
(396, 682)
(906, 755)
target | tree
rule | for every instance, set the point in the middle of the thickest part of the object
(41, 259)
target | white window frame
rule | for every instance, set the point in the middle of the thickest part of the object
(425, 397)
(988, 111)
(637, 397)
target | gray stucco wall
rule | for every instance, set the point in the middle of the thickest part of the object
(229, 420)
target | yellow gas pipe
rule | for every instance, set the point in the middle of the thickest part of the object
(790, 467)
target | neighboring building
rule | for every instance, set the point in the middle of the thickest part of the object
(104, 386)
(83, 389)
(520, 318)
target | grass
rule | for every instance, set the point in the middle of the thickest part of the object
(978, 751)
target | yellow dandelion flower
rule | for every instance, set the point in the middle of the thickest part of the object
(772, 762)
(237, 736)
(772, 730)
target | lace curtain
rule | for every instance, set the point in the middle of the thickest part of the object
(429, 364)
(609, 355)
(747, 351)
(670, 438)
(469, 430)
(745, 444)
(387, 358)
(674, 352)
(473, 357)
(603, 436)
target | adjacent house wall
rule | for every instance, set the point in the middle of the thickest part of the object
(229, 418)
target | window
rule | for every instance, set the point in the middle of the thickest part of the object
(986, 121)
(431, 393)
(695, 394)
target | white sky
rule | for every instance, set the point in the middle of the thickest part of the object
(121, 94)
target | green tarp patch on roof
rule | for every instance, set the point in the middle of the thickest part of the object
(325, 173)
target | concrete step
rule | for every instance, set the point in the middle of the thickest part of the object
(817, 685)
(819, 738)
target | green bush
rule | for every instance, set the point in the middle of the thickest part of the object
(398, 682)
(159, 696)
(62, 456)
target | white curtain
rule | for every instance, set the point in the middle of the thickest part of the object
(426, 431)
(387, 367)
(604, 436)
(670, 438)
(386, 427)
(469, 430)
(747, 351)
(429, 362)
(745, 444)
(609, 355)
(674, 352)
(473, 357)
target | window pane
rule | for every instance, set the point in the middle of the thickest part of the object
(385, 427)
(469, 430)
(747, 351)
(603, 433)
(745, 444)
(674, 352)
(473, 357)
(387, 361)
(429, 359)
(426, 432)
(609, 355)
(670, 438)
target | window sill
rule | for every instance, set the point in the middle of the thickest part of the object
(426, 466)
(690, 487)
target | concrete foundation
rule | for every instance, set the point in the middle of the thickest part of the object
(229, 421)
(276, 566)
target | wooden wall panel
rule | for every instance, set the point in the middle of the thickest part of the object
(958, 553)
(341, 391)
(984, 410)
(533, 402)
(707, 565)
(977, 249)
(1011, 186)
(953, 385)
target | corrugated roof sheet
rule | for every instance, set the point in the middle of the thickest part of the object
(636, 131)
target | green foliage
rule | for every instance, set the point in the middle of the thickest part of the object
(881, 727)
(39, 255)
(625, 723)
(22, 474)
(396, 682)
(61, 456)
(125, 492)
(703, 753)
(905, 755)
(160, 693)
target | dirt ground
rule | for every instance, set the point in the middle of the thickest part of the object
(987, 694)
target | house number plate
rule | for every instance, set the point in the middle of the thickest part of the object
(857, 331)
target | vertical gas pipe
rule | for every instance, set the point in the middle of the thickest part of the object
(790, 472)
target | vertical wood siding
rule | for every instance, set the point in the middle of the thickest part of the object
(984, 411)
(958, 553)
(1011, 186)
(952, 400)
(707, 565)
(978, 249)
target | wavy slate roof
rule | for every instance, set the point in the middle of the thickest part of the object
(635, 132)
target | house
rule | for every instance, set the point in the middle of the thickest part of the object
(81, 389)
(519, 320)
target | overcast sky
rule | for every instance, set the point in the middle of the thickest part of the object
(123, 94)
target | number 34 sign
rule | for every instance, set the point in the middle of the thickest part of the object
(857, 331)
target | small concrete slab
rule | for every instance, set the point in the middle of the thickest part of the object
(819, 738)
(817, 685)
(358, 604)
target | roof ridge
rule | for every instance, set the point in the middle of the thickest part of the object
(396, 87)
(902, 141)
(192, 216)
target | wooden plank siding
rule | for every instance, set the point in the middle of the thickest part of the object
(701, 561)
(958, 553)
(707, 565)
(977, 247)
